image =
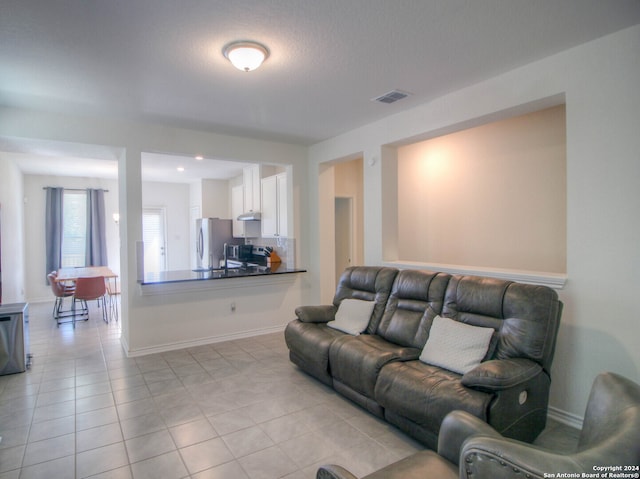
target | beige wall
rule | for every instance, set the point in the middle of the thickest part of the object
(489, 196)
(349, 184)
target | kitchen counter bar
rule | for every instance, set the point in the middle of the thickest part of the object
(183, 276)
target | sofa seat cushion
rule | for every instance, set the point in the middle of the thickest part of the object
(421, 465)
(309, 345)
(356, 361)
(425, 394)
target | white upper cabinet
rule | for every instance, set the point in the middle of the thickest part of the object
(283, 205)
(274, 206)
(251, 183)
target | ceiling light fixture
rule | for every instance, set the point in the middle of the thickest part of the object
(246, 55)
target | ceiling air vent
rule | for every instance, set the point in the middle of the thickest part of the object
(392, 96)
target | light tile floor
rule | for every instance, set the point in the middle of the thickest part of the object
(233, 410)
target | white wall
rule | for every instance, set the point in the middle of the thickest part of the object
(37, 289)
(215, 199)
(599, 82)
(211, 198)
(12, 229)
(179, 318)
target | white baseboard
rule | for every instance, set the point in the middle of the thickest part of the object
(200, 342)
(564, 417)
(124, 344)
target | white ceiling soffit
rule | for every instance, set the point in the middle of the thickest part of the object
(55, 158)
(42, 157)
(161, 60)
(56, 149)
(164, 168)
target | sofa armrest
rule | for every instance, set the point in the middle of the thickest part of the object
(508, 458)
(501, 374)
(456, 428)
(331, 471)
(316, 314)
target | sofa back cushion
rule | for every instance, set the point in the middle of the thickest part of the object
(353, 316)
(368, 283)
(456, 346)
(415, 300)
(526, 317)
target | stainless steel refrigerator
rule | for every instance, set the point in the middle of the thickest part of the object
(211, 235)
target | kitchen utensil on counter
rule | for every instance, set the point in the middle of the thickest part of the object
(273, 257)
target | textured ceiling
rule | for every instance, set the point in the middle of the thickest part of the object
(161, 60)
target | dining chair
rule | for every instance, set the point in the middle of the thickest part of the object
(113, 292)
(60, 291)
(86, 290)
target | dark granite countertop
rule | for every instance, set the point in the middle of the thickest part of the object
(216, 274)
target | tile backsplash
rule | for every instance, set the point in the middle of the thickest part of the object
(285, 247)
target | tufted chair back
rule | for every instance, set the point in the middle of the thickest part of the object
(468, 448)
(611, 426)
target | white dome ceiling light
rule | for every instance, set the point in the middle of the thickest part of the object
(246, 55)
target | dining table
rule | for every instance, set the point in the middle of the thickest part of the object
(71, 274)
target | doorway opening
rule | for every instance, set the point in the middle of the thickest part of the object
(343, 234)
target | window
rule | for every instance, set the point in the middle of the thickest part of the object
(74, 228)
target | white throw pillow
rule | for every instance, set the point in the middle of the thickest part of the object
(455, 346)
(353, 316)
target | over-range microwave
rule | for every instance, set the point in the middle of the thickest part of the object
(240, 252)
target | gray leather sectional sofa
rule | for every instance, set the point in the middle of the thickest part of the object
(389, 371)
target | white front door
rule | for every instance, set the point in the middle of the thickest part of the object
(154, 238)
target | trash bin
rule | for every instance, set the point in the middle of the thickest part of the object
(14, 338)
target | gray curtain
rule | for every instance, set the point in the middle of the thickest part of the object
(96, 250)
(53, 229)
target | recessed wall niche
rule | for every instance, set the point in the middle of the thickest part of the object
(492, 196)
